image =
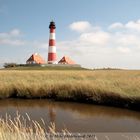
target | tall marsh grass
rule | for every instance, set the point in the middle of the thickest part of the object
(24, 128)
(110, 87)
(21, 128)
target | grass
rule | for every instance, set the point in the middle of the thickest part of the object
(119, 88)
(24, 128)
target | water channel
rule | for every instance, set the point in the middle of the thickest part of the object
(76, 117)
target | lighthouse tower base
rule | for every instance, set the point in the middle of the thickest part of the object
(52, 62)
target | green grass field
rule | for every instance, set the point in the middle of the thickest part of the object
(109, 87)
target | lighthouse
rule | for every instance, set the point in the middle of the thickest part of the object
(52, 43)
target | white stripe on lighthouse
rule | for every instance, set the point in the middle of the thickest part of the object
(52, 49)
(52, 36)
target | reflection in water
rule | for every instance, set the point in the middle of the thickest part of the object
(74, 116)
(52, 115)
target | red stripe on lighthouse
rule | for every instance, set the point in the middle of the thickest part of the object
(51, 56)
(52, 30)
(51, 42)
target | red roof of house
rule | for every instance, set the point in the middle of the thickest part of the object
(66, 60)
(36, 59)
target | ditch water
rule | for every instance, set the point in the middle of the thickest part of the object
(75, 117)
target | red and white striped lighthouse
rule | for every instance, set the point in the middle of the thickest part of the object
(52, 47)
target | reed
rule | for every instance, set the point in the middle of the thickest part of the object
(109, 87)
(22, 128)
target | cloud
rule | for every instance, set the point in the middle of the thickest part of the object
(11, 34)
(124, 35)
(43, 45)
(129, 26)
(11, 42)
(11, 38)
(104, 48)
(133, 25)
(95, 38)
(15, 32)
(116, 25)
(124, 49)
(80, 26)
(128, 39)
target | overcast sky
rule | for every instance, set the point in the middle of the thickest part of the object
(94, 33)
